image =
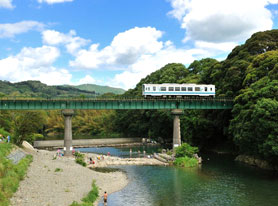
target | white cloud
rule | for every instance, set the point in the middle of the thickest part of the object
(54, 1)
(215, 48)
(136, 53)
(34, 64)
(219, 21)
(10, 30)
(147, 64)
(125, 49)
(6, 4)
(87, 80)
(70, 40)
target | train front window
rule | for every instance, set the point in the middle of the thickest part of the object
(171, 88)
(163, 89)
(183, 89)
(190, 89)
(177, 88)
(197, 89)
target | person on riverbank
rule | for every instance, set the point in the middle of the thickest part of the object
(105, 197)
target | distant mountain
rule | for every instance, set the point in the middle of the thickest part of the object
(38, 89)
(100, 89)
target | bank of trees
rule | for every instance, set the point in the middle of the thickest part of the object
(32, 125)
(249, 75)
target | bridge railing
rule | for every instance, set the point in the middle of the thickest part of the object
(18, 98)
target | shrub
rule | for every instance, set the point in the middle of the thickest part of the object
(79, 159)
(186, 162)
(90, 198)
(93, 194)
(79, 155)
(58, 170)
(81, 162)
(185, 150)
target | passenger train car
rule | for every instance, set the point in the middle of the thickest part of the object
(178, 90)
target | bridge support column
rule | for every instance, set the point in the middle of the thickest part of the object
(176, 127)
(68, 113)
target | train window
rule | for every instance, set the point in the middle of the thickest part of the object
(183, 89)
(171, 88)
(206, 89)
(177, 88)
(149, 89)
(190, 89)
(154, 88)
(162, 88)
(210, 89)
(197, 89)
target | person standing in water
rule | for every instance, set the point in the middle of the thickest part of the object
(105, 197)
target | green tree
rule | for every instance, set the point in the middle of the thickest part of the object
(26, 124)
(254, 126)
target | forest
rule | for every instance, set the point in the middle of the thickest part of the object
(249, 75)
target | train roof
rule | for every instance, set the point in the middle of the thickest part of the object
(176, 84)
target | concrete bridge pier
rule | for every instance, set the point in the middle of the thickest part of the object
(68, 113)
(176, 127)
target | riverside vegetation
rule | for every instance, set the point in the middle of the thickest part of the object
(90, 198)
(80, 159)
(185, 156)
(249, 75)
(10, 174)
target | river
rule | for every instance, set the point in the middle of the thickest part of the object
(220, 181)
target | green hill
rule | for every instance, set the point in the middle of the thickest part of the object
(38, 89)
(100, 89)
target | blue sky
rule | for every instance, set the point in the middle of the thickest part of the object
(118, 42)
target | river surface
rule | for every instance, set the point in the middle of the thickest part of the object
(124, 152)
(219, 182)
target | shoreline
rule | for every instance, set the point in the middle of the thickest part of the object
(60, 181)
(44, 185)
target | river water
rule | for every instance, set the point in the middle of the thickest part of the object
(218, 182)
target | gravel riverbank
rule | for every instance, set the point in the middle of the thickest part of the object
(61, 181)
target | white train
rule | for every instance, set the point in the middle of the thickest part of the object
(178, 90)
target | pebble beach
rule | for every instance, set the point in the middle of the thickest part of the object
(60, 181)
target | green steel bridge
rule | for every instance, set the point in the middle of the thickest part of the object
(117, 104)
(69, 105)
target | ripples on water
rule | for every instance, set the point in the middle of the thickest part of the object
(219, 182)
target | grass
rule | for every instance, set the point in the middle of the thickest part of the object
(10, 174)
(186, 162)
(58, 170)
(90, 198)
(79, 159)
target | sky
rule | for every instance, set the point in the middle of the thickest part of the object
(119, 42)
